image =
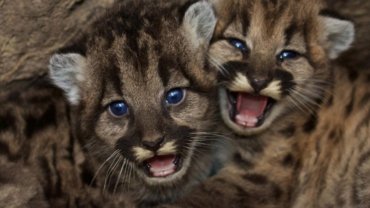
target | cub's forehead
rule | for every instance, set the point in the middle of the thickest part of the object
(268, 15)
(135, 19)
(139, 43)
(140, 58)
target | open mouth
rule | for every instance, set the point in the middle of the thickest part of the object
(161, 166)
(248, 110)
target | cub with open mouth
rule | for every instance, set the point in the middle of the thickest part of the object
(141, 99)
(257, 89)
(250, 102)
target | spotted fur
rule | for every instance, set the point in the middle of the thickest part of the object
(42, 165)
(84, 156)
(312, 149)
(136, 54)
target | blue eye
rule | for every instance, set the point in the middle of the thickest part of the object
(175, 96)
(239, 44)
(118, 109)
(288, 54)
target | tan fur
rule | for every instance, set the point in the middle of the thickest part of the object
(136, 55)
(41, 164)
(315, 151)
(83, 155)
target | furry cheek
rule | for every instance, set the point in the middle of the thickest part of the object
(110, 129)
(195, 109)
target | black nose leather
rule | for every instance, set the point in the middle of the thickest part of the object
(259, 84)
(153, 144)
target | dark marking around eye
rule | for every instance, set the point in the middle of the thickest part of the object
(143, 57)
(164, 65)
(244, 19)
(289, 33)
(112, 74)
(305, 33)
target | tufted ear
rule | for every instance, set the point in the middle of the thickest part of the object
(339, 34)
(199, 21)
(67, 72)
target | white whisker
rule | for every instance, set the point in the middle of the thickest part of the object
(110, 170)
(124, 162)
(102, 165)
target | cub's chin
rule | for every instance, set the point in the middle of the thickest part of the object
(248, 113)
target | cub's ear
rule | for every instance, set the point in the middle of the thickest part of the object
(67, 72)
(339, 34)
(199, 22)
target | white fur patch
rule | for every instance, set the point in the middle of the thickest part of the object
(339, 34)
(142, 154)
(168, 148)
(240, 83)
(66, 72)
(200, 22)
(272, 90)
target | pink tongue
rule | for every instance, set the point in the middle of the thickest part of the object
(249, 107)
(162, 166)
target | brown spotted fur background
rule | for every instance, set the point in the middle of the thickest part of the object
(46, 165)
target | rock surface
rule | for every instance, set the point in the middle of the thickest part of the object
(30, 30)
